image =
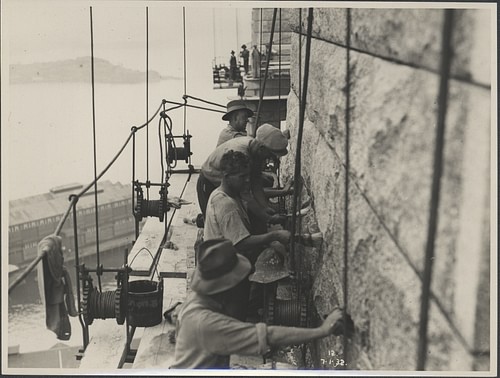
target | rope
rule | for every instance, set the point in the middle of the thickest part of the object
(346, 189)
(85, 330)
(185, 76)
(191, 106)
(136, 222)
(259, 68)
(446, 56)
(147, 99)
(267, 67)
(297, 174)
(94, 142)
(205, 101)
(279, 76)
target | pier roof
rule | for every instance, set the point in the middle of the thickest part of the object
(52, 204)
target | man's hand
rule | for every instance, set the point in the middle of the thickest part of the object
(328, 326)
(283, 236)
(277, 219)
(288, 188)
(269, 211)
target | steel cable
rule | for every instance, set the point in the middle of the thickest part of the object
(94, 143)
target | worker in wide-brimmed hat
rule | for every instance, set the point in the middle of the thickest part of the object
(207, 334)
(238, 113)
(269, 142)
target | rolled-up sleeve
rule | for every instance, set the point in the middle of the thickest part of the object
(224, 335)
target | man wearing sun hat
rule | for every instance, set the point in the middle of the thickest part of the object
(268, 142)
(238, 113)
(206, 334)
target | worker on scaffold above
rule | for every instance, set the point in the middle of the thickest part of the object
(207, 336)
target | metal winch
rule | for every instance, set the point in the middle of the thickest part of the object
(103, 305)
(150, 208)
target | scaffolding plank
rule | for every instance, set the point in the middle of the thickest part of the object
(106, 346)
(146, 247)
(156, 349)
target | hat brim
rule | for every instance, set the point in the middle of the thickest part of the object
(282, 152)
(225, 117)
(224, 282)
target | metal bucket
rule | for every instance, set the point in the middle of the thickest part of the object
(145, 303)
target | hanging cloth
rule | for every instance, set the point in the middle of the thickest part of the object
(55, 287)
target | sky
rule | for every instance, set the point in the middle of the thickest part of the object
(52, 30)
(48, 30)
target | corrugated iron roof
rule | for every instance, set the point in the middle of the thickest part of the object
(49, 204)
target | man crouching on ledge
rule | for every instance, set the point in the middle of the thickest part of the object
(206, 336)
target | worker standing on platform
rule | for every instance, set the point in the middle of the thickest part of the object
(238, 113)
(233, 75)
(206, 336)
(227, 218)
(268, 142)
(255, 62)
(245, 55)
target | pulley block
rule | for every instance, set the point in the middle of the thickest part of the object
(178, 153)
(289, 312)
(150, 208)
(103, 305)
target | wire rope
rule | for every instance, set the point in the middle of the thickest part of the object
(184, 53)
(268, 58)
(346, 182)
(94, 143)
(445, 67)
(147, 100)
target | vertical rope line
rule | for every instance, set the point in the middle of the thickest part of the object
(268, 58)
(85, 329)
(184, 42)
(300, 55)
(147, 100)
(96, 205)
(446, 56)
(260, 62)
(279, 75)
(136, 222)
(297, 174)
(347, 168)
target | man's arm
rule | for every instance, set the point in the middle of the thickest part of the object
(283, 336)
(252, 241)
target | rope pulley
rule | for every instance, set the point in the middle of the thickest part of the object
(286, 312)
(175, 153)
(178, 153)
(150, 208)
(103, 305)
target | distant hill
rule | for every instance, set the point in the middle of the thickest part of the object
(78, 70)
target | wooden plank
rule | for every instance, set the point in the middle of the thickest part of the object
(106, 346)
(156, 349)
(172, 263)
(146, 247)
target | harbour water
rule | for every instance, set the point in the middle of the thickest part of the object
(50, 144)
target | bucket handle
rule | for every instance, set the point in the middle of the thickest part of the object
(152, 257)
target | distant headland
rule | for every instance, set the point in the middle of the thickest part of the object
(78, 70)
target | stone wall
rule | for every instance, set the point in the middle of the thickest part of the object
(394, 68)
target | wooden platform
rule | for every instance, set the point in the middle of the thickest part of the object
(156, 349)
